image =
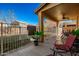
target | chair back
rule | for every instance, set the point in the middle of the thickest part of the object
(69, 42)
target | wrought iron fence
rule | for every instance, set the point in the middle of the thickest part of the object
(12, 36)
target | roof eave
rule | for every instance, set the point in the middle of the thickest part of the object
(40, 7)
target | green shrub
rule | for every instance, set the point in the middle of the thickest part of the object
(75, 32)
(38, 33)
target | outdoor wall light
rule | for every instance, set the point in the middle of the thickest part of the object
(65, 17)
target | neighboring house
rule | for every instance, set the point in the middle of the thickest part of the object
(2, 23)
(19, 27)
(49, 27)
(16, 28)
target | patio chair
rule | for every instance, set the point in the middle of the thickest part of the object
(76, 47)
(64, 48)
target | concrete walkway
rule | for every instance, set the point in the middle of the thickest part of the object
(30, 50)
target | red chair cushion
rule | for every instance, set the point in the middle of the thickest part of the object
(68, 44)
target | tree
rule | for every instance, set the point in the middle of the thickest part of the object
(11, 16)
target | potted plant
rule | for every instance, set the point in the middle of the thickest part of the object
(36, 37)
(76, 32)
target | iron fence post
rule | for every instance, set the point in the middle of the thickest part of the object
(1, 38)
(19, 36)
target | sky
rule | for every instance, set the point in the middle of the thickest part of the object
(23, 11)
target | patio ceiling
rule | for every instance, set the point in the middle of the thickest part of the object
(68, 10)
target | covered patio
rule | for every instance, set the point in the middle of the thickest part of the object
(57, 12)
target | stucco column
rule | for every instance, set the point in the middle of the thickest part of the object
(41, 25)
(59, 33)
(77, 23)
